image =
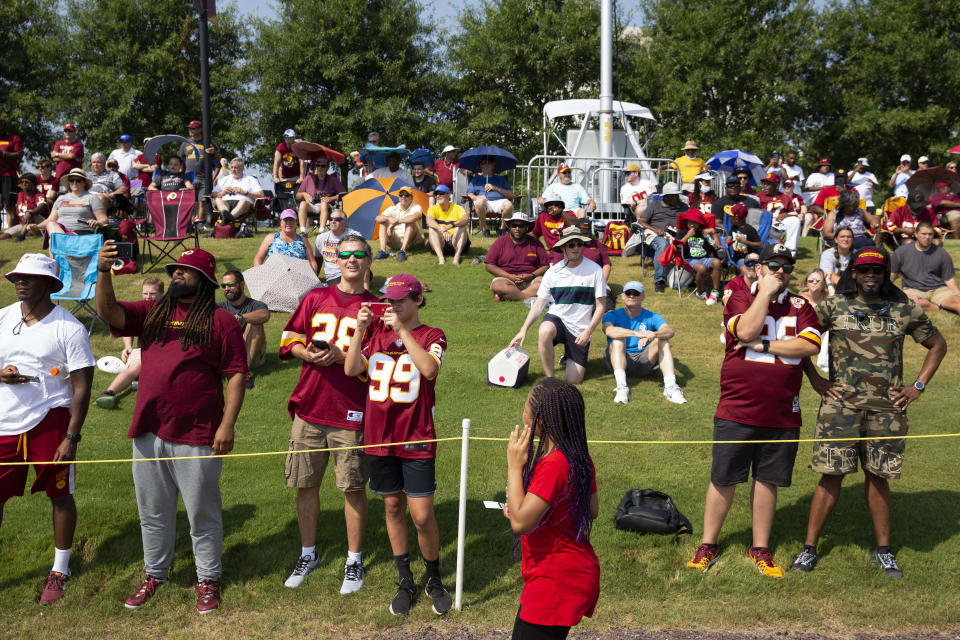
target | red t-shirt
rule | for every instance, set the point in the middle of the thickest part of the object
(737, 284)
(778, 403)
(445, 172)
(593, 250)
(903, 218)
(516, 258)
(775, 204)
(10, 144)
(180, 397)
(26, 203)
(63, 166)
(144, 177)
(937, 198)
(289, 163)
(399, 400)
(549, 228)
(561, 577)
(828, 198)
(326, 395)
(48, 188)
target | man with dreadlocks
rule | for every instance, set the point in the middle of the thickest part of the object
(551, 505)
(865, 396)
(187, 346)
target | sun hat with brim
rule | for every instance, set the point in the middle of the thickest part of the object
(570, 234)
(870, 256)
(693, 215)
(400, 286)
(75, 173)
(670, 189)
(518, 217)
(554, 200)
(690, 144)
(449, 148)
(37, 264)
(198, 260)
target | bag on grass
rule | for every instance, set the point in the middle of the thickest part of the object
(649, 511)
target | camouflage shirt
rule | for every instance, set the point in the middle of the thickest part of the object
(866, 346)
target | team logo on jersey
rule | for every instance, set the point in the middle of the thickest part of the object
(399, 342)
(796, 302)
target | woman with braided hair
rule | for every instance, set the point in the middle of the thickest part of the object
(551, 505)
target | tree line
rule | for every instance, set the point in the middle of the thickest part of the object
(844, 79)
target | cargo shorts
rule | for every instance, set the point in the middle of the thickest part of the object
(304, 470)
(882, 458)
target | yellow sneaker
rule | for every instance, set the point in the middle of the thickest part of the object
(704, 558)
(762, 557)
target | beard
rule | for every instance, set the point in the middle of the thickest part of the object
(182, 290)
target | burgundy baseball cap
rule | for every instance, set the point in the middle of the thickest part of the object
(194, 124)
(941, 185)
(869, 256)
(787, 183)
(738, 210)
(69, 127)
(772, 177)
(826, 161)
(197, 259)
(563, 168)
(400, 286)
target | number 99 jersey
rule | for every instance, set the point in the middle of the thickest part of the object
(399, 399)
(761, 389)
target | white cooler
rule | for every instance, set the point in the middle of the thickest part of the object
(508, 368)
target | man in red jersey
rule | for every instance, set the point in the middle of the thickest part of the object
(401, 359)
(748, 276)
(67, 153)
(769, 332)
(327, 407)
(785, 221)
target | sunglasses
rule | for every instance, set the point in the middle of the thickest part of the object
(775, 266)
(873, 269)
(336, 219)
(814, 280)
(750, 263)
(632, 294)
(517, 225)
(356, 253)
(229, 285)
(75, 180)
(405, 195)
(573, 244)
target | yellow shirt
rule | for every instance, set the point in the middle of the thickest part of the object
(689, 167)
(453, 213)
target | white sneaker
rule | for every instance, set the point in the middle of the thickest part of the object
(622, 396)
(352, 578)
(305, 564)
(674, 394)
(711, 298)
(528, 302)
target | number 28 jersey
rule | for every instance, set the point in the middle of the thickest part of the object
(400, 399)
(762, 389)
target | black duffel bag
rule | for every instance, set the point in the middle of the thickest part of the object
(649, 511)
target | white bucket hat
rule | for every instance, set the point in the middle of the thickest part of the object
(37, 264)
(448, 148)
(670, 189)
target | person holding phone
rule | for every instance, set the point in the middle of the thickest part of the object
(327, 407)
(401, 359)
(898, 181)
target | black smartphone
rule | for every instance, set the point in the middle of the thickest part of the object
(124, 249)
(321, 345)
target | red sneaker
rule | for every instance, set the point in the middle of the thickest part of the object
(143, 593)
(53, 590)
(208, 596)
(704, 558)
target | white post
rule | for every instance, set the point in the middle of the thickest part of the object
(462, 518)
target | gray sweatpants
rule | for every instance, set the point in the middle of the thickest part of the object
(158, 484)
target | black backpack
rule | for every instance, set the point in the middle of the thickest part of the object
(649, 511)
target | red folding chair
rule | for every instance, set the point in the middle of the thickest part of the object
(170, 213)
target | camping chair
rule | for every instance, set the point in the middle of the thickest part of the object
(261, 211)
(491, 215)
(77, 258)
(680, 273)
(170, 212)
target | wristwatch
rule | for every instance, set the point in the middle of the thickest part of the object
(74, 437)
(919, 386)
(240, 319)
(766, 346)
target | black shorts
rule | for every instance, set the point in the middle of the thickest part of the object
(390, 475)
(573, 351)
(771, 462)
(8, 192)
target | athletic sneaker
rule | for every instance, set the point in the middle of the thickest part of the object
(659, 287)
(208, 596)
(674, 394)
(711, 298)
(700, 294)
(485, 233)
(56, 582)
(704, 558)
(622, 395)
(806, 560)
(143, 593)
(401, 256)
(381, 255)
(406, 596)
(762, 557)
(888, 562)
(249, 381)
(441, 599)
(305, 564)
(106, 400)
(528, 302)
(352, 578)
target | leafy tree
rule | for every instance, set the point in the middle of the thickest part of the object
(31, 31)
(335, 69)
(516, 55)
(133, 66)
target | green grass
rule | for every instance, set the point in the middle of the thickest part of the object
(643, 582)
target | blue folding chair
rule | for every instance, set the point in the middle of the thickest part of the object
(77, 258)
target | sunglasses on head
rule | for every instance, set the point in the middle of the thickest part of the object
(775, 266)
(229, 285)
(871, 269)
(356, 253)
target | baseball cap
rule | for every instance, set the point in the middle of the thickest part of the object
(773, 178)
(738, 210)
(194, 124)
(634, 285)
(449, 148)
(787, 183)
(923, 159)
(916, 199)
(632, 167)
(442, 188)
(825, 161)
(732, 179)
(289, 133)
(288, 213)
(400, 286)
(670, 189)
(869, 256)
(776, 250)
(905, 158)
(69, 127)
(940, 185)
(405, 190)
(124, 138)
(199, 260)
(37, 264)
(863, 161)
(564, 167)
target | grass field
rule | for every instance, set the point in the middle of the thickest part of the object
(643, 582)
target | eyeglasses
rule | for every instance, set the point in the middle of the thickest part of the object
(870, 269)
(229, 285)
(750, 263)
(573, 244)
(775, 266)
(632, 294)
(336, 219)
(356, 253)
(75, 180)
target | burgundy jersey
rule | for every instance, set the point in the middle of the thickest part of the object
(775, 401)
(289, 163)
(776, 204)
(49, 187)
(737, 284)
(399, 400)
(326, 395)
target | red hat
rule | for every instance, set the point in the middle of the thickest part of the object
(194, 124)
(787, 183)
(69, 127)
(563, 167)
(738, 210)
(771, 177)
(400, 286)
(197, 259)
(826, 161)
(869, 256)
(941, 185)
(693, 215)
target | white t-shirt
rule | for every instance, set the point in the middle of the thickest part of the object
(572, 292)
(794, 173)
(125, 160)
(396, 213)
(326, 246)
(58, 340)
(247, 183)
(642, 189)
(864, 182)
(385, 172)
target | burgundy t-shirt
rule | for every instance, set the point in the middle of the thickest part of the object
(549, 228)
(937, 198)
(289, 163)
(48, 188)
(516, 258)
(775, 204)
(903, 217)
(27, 203)
(10, 144)
(180, 397)
(63, 166)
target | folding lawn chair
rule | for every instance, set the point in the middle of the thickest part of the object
(77, 258)
(170, 212)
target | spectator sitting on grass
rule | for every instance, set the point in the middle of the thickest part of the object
(927, 270)
(31, 209)
(447, 226)
(286, 242)
(517, 262)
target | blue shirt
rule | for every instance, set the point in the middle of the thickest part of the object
(646, 320)
(573, 195)
(477, 183)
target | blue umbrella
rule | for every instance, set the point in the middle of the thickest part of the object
(730, 161)
(470, 160)
(378, 155)
(424, 156)
(371, 197)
